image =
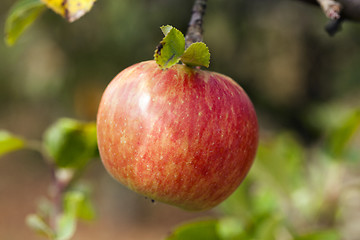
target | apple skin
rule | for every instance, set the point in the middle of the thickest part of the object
(182, 136)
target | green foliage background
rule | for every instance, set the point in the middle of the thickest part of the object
(304, 85)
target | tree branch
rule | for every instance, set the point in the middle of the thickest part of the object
(331, 8)
(334, 26)
(194, 31)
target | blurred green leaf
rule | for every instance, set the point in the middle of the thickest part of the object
(267, 228)
(320, 235)
(279, 164)
(81, 196)
(197, 54)
(231, 228)
(9, 143)
(21, 16)
(240, 202)
(37, 224)
(171, 48)
(264, 201)
(77, 204)
(71, 143)
(45, 208)
(66, 227)
(202, 230)
(277, 173)
(86, 210)
(340, 137)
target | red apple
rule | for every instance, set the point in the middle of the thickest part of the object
(182, 136)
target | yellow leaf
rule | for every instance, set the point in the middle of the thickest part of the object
(71, 10)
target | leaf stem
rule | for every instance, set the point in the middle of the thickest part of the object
(195, 31)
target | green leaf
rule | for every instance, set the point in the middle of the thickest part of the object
(231, 228)
(197, 54)
(37, 224)
(66, 227)
(9, 143)
(85, 208)
(171, 48)
(340, 137)
(71, 143)
(267, 228)
(241, 201)
(202, 230)
(320, 235)
(21, 16)
(284, 151)
(77, 204)
(67, 222)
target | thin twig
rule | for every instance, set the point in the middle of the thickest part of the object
(194, 32)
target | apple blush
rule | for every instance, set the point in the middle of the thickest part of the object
(182, 136)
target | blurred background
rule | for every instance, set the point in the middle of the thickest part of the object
(302, 82)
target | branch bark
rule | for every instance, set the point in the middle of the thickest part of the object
(338, 11)
(350, 9)
(195, 31)
(331, 8)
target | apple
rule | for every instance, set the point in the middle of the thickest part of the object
(183, 136)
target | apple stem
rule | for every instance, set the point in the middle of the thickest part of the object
(195, 31)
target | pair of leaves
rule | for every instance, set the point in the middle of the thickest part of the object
(25, 12)
(171, 50)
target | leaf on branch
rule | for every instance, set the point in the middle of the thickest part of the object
(71, 143)
(197, 54)
(71, 10)
(9, 143)
(21, 16)
(171, 48)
